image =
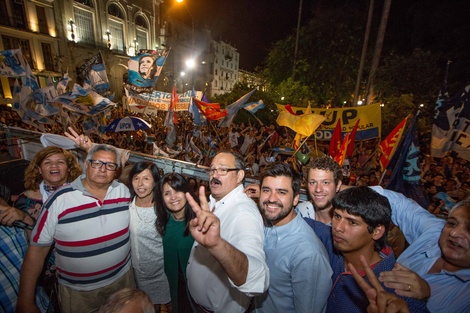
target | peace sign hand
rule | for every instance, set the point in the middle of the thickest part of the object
(205, 227)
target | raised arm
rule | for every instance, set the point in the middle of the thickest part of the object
(205, 229)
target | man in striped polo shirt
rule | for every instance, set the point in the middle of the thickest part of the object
(88, 221)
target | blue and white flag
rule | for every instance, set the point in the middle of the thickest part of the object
(93, 74)
(144, 69)
(233, 108)
(194, 110)
(12, 63)
(84, 101)
(254, 107)
(451, 131)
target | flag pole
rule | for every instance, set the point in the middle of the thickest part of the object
(301, 144)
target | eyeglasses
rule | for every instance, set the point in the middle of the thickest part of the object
(221, 171)
(110, 166)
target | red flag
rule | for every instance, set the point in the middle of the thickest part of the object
(342, 151)
(174, 101)
(390, 144)
(289, 109)
(335, 143)
(211, 111)
(352, 139)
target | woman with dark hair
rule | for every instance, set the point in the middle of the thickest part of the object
(146, 242)
(173, 219)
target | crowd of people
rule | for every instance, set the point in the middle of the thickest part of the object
(84, 239)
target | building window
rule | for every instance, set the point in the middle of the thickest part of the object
(42, 21)
(117, 35)
(4, 18)
(10, 43)
(18, 14)
(84, 25)
(47, 55)
(116, 27)
(141, 37)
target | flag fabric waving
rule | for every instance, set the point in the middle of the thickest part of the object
(144, 70)
(93, 73)
(341, 155)
(352, 140)
(211, 111)
(335, 143)
(12, 63)
(233, 108)
(304, 124)
(254, 107)
(389, 145)
(451, 129)
(194, 110)
(405, 177)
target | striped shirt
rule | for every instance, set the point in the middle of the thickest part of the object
(91, 237)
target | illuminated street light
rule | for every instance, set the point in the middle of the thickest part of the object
(192, 39)
(72, 34)
(108, 35)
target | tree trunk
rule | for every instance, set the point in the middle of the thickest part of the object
(377, 51)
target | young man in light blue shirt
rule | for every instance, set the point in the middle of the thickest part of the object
(300, 273)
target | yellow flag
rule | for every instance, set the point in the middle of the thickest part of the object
(304, 124)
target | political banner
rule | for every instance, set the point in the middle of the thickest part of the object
(369, 127)
(144, 69)
(158, 101)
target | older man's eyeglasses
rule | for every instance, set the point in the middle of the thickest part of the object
(222, 171)
(110, 166)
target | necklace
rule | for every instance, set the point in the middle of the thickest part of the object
(152, 218)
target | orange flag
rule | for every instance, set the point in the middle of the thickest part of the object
(352, 140)
(174, 101)
(342, 151)
(390, 144)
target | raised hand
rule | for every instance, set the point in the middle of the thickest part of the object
(380, 301)
(205, 227)
(405, 282)
(81, 141)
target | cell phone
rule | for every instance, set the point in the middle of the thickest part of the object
(21, 224)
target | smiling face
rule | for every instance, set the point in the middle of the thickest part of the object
(277, 200)
(222, 185)
(145, 65)
(174, 201)
(54, 169)
(455, 239)
(322, 188)
(143, 184)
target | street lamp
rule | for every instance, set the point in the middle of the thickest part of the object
(72, 34)
(108, 35)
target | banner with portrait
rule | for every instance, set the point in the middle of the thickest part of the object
(144, 69)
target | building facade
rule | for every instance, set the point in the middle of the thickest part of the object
(225, 69)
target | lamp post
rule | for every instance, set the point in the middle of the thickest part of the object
(135, 46)
(72, 33)
(108, 35)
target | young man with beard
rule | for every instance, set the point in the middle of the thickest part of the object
(323, 182)
(227, 263)
(300, 274)
(359, 228)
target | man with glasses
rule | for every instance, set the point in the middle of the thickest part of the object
(88, 221)
(227, 263)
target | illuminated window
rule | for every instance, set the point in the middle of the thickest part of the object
(116, 27)
(84, 25)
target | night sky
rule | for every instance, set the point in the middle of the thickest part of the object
(252, 26)
(249, 25)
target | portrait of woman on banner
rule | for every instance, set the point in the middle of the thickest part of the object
(144, 70)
